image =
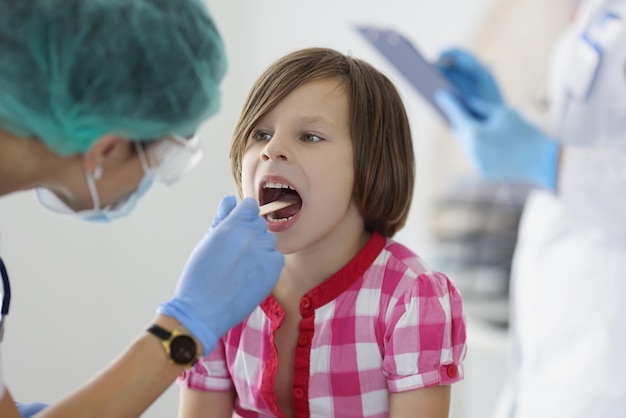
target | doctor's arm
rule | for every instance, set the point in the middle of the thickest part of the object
(128, 386)
(213, 294)
(7, 406)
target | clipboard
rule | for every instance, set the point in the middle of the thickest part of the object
(407, 60)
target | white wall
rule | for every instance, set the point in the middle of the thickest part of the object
(82, 292)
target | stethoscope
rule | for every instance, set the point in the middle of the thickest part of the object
(6, 297)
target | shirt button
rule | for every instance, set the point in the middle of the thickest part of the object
(452, 370)
(302, 340)
(298, 393)
(305, 303)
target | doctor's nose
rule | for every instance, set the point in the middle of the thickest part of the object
(275, 150)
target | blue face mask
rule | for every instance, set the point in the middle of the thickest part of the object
(102, 215)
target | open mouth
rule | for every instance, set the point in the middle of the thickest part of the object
(271, 192)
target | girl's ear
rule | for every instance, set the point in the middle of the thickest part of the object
(108, 150)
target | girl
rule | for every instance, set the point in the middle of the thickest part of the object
(357, 325)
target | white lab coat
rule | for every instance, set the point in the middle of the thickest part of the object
(568, 288)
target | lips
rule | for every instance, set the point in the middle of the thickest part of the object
(271, 191)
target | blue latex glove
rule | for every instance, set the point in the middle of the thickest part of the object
(501, 144)
(230, 271)
(469, 76)
(28, 410)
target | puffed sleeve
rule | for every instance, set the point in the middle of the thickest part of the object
(425, 337)
(592, 185)
(210, 373)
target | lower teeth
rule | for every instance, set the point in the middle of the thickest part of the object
(270, 218)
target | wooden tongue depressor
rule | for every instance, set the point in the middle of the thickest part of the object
(274, 206)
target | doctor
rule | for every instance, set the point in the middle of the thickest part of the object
(98, 99)
(568, 291)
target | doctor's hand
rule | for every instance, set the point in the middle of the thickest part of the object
(230, 271)
(469, 76)
(502, 145)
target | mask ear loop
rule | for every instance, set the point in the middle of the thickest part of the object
(91, 183)
(97, 175)
(142, 156)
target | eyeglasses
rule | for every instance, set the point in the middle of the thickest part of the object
(6, 296)
(172, 156)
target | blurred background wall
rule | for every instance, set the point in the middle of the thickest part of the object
(82, 292)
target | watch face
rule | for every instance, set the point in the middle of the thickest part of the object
(183, 349)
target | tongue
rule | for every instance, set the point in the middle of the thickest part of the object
(284, 195)
(288, 211)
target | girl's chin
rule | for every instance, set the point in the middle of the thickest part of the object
(286, 248)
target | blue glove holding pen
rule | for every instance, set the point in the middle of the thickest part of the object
(231, 270)
(501, 144)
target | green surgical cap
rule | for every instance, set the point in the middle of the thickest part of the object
(73, 70)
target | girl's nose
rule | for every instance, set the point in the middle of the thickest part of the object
(275, 150)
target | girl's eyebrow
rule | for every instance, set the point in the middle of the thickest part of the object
(315, 119)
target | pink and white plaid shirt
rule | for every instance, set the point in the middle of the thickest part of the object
(382, 324)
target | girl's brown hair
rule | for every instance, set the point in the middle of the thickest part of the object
(383, 151)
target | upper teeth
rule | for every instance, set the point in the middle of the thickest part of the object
(271, 185)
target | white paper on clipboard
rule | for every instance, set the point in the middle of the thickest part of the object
(406, 59)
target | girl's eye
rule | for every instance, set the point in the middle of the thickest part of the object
(311, 138)
(261, 136)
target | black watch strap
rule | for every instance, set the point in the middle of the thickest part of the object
(180, 348)
(160, 332)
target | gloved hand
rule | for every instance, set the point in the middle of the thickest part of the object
(28, 410)
(500, 143)
(230, 271)
(469, 76)
(502, 146)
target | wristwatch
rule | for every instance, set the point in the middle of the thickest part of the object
(180, 348)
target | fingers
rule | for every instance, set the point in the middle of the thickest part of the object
(225, 207)
(481, 110)
(243, 215)
(457, 57)
(248, 208)
(462, 70)
(248, 212)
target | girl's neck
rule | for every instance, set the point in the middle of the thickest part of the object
(307, 269)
